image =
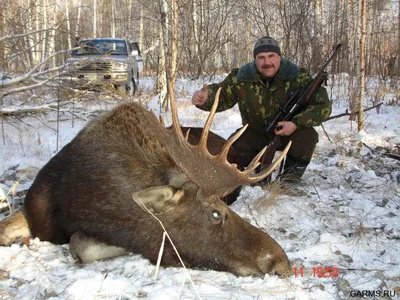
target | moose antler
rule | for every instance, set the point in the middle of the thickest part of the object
(212, 173)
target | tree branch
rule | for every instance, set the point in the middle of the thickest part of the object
(17, 111)
(23, 111)
(9, 37)
(351, 113)
(390, 155)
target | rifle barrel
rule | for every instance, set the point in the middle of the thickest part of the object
(301, 97)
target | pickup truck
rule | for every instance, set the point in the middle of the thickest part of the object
(104, 62)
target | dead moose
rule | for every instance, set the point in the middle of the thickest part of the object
(95, 191)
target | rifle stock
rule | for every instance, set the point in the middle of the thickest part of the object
(269, 154)
(297, 102)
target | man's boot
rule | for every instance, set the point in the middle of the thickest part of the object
(293, 169)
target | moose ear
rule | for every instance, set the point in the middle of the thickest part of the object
(159, 199)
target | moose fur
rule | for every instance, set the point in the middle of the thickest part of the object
(99, 190)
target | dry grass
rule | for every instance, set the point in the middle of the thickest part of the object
(12, 193)
(264, 203)
(362, 236)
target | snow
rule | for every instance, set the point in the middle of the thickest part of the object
(345, 216)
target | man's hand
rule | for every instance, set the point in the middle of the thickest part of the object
(285, 128)
(200, 97)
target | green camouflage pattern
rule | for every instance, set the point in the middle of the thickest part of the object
(259, 102)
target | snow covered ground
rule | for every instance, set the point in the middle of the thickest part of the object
(345, 223)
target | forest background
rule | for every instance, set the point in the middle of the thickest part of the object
(209, 37)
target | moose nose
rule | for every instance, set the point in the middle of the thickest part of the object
(283, 267)
(276, 264)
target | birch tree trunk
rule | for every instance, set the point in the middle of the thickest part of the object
(52, 36)
(225, 49)
(342, 60)
(362, 64)
(170, 47)
(39, 22)
(173, 59)
(162, 63)
(28, 40)
(141, 38)
(68, 24)
(2, 45)
(354, 83)
(397, 71)
(141, 28)
(94, 18)
(248, 39)
(130, 4)
(315, 49)
(113, 18)
(78, 21)
(197, 21)
(46, 34)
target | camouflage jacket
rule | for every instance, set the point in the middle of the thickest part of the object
(259, 102)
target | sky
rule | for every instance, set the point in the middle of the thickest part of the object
(343, 221)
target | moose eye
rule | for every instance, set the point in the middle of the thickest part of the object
(216, 216)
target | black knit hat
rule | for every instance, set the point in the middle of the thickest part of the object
(266, 44)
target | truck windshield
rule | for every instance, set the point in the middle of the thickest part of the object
(101, 47)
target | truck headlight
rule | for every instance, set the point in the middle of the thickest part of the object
(73, 66)
(120, 66)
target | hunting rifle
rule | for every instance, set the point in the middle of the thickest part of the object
(299, 101)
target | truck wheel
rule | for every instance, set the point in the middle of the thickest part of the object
(131, 87)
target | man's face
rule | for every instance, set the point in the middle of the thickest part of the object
(268, 63)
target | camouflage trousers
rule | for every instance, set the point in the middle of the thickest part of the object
(251, 142)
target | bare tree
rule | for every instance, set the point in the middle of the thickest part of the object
(94, 18)
(113, 18)
(163, 63)
(213, 36)
(362, 63)
(68, 24)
